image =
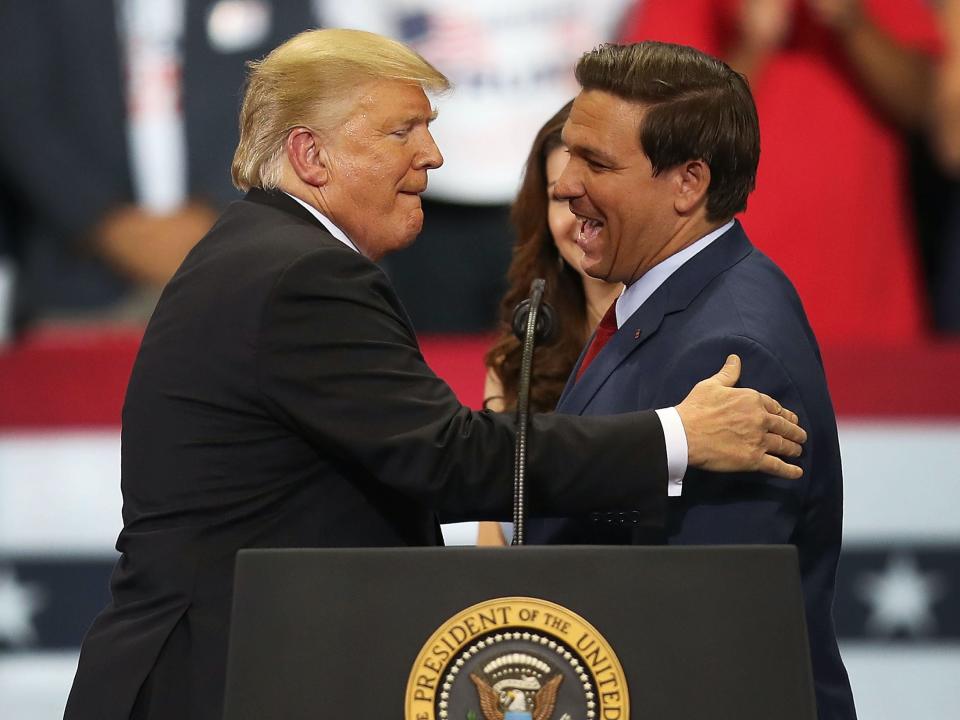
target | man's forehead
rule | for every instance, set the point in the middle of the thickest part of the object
(396, 99)
(599, 107)
(597, 117)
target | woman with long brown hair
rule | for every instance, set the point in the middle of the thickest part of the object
(546, 248)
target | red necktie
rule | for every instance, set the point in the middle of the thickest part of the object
(605, 331)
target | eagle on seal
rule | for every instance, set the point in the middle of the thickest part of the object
(512, 704)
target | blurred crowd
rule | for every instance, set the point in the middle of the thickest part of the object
(119, 122)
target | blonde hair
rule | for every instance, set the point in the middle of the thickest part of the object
(311, 80)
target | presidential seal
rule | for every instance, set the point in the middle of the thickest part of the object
(517, 658)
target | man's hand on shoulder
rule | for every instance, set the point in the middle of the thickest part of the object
(732, 429)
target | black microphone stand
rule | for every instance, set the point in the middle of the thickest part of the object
(532, 321)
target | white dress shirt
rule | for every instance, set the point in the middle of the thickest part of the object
(630, 300)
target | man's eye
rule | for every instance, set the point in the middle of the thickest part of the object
(402, 133)
(595, 166)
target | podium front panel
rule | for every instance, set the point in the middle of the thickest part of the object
(699, 632)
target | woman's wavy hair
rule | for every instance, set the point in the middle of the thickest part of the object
(535, 255)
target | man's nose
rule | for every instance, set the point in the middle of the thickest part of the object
(568, 184)
(429, 157)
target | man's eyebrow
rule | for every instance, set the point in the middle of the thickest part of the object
(585, 151)
(591, 154)
(420, 118)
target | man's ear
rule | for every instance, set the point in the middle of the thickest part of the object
(692, 183)
(306, 156)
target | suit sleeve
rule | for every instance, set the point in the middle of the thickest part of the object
(338, 364)
(744, 507)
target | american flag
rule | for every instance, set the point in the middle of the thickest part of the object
(453, 41)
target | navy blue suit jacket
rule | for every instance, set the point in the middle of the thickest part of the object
(729, 298)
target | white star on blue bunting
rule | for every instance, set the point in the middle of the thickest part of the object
(19, 602)
(901, 597)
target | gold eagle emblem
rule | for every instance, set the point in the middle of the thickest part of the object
(495, 704)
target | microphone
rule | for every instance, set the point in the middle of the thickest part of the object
(533, 321)
(545, 327)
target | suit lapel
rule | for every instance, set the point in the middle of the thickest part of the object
(638, 328)
(674, 295)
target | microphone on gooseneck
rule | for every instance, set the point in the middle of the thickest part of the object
(533, 321)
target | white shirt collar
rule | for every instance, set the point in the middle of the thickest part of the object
(636, 294)
(327, 223)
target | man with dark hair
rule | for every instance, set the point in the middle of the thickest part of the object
(664, 145)
(847, 77)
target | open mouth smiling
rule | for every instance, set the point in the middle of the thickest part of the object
(589, 229)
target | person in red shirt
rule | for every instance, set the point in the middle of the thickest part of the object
(835, 83)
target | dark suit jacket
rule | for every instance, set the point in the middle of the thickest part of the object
(280, 399)
(730, 298)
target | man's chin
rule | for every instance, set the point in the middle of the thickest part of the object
(594, 268)
(413, 226)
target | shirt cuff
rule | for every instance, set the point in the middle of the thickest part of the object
(675, 439)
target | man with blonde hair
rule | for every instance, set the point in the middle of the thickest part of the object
(280, 399)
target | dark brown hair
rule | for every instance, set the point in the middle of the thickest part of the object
(535, 255)
(698, 108)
